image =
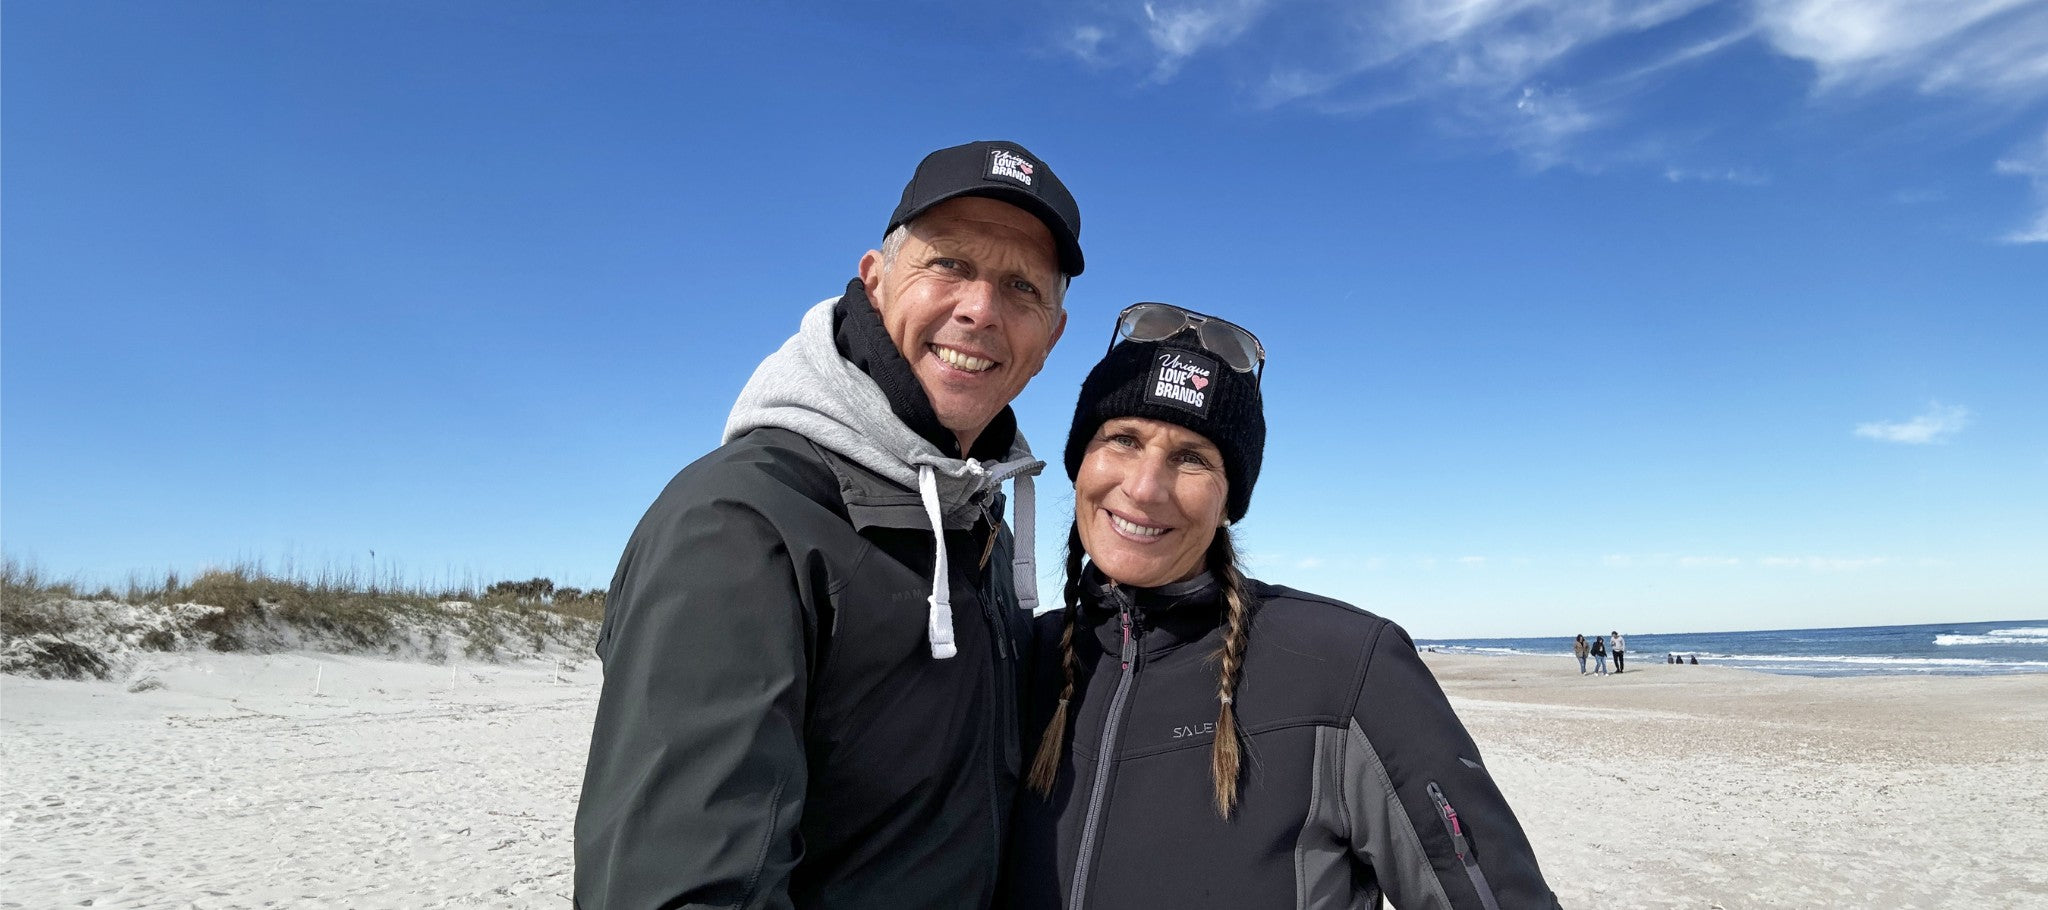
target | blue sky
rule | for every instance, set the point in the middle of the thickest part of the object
(1668, 316)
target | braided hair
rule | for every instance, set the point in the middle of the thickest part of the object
(1226, 755)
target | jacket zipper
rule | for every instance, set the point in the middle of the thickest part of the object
(1105, 753)
(999, 737)
(1456, 830)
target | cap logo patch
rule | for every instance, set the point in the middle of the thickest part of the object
(1009, 165)
(1181, 379)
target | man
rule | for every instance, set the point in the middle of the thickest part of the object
(1616, 644)
(812, 643)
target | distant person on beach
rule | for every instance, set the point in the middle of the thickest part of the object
(1268, 747)
(812, 647)
(1615, 645)
(1695, 659)
(1579, 650)
(1599, 655)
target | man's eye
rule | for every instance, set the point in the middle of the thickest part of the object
(1193, 460)
(1123, 439)
(1024, 287)
(951, 265)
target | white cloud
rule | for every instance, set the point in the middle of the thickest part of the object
(1708, 562)
(1180, 30)
(1737, 175)
(1472, 560)
(1938, 424)
(1937, 45)
(1534, 75)
(1308, 562)
(1085, 42)
(2030, 162)
(1823, 563)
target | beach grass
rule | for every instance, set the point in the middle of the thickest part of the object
(54, 627)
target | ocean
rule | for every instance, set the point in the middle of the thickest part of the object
(1946, 649)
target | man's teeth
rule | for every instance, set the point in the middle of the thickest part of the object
(1129, 528)
(963, 361)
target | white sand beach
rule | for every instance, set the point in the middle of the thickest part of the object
(1690, 786)
(406, 785)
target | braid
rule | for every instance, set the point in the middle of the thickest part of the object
(1046, 765)
(1225, 755)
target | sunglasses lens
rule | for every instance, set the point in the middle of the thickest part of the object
(1232, 344)
(1152, 323)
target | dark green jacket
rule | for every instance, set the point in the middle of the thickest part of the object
(774, 731)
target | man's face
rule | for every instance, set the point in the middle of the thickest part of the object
(969, 302)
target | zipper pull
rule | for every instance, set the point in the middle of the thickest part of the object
(988, 518)
(1130, 649)
(1450, 815)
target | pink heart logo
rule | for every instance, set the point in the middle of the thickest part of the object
(1200, 383)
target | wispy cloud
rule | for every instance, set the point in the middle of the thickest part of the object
(1939, 424)
(1823, 563)
(1933, 45)
(1180, 30)
(1085, 42)
(1708, 562)
(1741, 176)
(1572, 81)
(2031, 163)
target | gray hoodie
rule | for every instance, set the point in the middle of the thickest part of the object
(806, 386)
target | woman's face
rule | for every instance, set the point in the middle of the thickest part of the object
(1148, 500)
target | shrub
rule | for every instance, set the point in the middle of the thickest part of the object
(47, 630)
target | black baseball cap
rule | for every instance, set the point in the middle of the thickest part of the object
(997, 170)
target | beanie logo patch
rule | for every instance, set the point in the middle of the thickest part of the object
(1181, 379)
(1010, 165)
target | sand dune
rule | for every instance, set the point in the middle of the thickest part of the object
(305, 780)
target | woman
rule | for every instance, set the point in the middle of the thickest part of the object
(1599, 655)
(1579, 650)
(1210, 740)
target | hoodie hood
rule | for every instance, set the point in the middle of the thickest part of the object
(808, 387)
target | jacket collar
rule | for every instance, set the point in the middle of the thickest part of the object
(1164, 617)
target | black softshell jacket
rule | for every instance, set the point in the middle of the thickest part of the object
(771, 696)
(1359, 781)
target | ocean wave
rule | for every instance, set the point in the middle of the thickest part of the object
(1873, 659)
(2025, 635)
(1497, 652)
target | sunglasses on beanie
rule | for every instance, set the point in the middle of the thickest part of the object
(1238, 348)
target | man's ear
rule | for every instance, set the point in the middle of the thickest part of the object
(1058, 329)
(871, 275)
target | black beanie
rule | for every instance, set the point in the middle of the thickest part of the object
(1180, 383)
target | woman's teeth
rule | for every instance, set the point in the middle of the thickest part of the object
(1134, 529)
(963, 361)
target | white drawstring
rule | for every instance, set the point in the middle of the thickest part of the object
(1023, 559)
(939, 626)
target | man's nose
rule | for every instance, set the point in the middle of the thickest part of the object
(976, 304)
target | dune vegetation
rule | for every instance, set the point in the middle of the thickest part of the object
(54, 628)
